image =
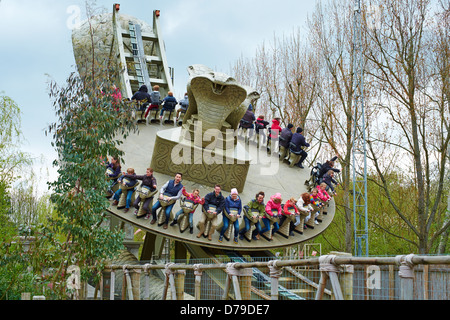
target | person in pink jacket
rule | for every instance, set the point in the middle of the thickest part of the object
(274, 204)
(322, 192)
(196, 199)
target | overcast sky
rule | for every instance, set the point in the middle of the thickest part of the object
(35, 45)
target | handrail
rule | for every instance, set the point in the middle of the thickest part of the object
(329, 266)
(340, 260)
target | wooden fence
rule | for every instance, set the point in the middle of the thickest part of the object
(336, 277)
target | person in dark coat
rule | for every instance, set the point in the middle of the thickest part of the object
(148, 180)
(216, 199)
(328, 165)
(285, 140)
(299, 142)
(143, 97)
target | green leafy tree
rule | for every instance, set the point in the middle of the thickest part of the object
(12, 159)
(89, 128)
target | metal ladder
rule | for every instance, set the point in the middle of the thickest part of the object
(140, 61)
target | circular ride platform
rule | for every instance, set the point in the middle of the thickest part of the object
(273, 177)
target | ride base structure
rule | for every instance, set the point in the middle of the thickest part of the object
(205, 148)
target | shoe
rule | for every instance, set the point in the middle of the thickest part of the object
(241, 237)
(191, 230)
(115, 203)
(126, 210)
(153, 221)
(165, 226)
(236, 240)
(199, 235)
(174, 222)
(316, 222)
(220, 238)
(299, 165)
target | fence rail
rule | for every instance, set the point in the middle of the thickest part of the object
(340, 277)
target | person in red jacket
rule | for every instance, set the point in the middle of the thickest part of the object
(274, 130)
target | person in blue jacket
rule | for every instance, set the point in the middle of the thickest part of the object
(233, 201)
(168, 104)
(299, 144)
(173, 189)
(131, 175)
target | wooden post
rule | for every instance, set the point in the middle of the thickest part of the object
(241, 279)
(25, 296)
(322, 284)
(329, 269)
(129, 282)
(275, 273)
(174, 280)
(198, 280)
(227, 288)
(391, 282)
(136, 284)
(406, 273)
(346, 279)
(425, 282)
(112, 285)
(180, 275)
(147, 282)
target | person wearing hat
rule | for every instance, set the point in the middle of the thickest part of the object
(299, 144)
(233, 201)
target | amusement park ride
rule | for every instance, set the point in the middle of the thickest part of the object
(218, 102)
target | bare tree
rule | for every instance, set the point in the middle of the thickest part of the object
(331, 36)
(408, 54)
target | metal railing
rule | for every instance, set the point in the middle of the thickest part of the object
(334, 276)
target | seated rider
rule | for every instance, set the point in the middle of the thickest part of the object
(115, 167)
(168, 104)
(303, 205)
(184, 104)
(215, 199)
(285, 140)
(149, 181)
(155, 100)
(328, 165)
(130, 183)
(258, 204)
(233, 201)
(113, 172)
(196, 199)
(142, 97)
(328, 179)
(260, 125)
(299, 142)
(248, 119)
(287, 211)
(273, 204)
(171, 189)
